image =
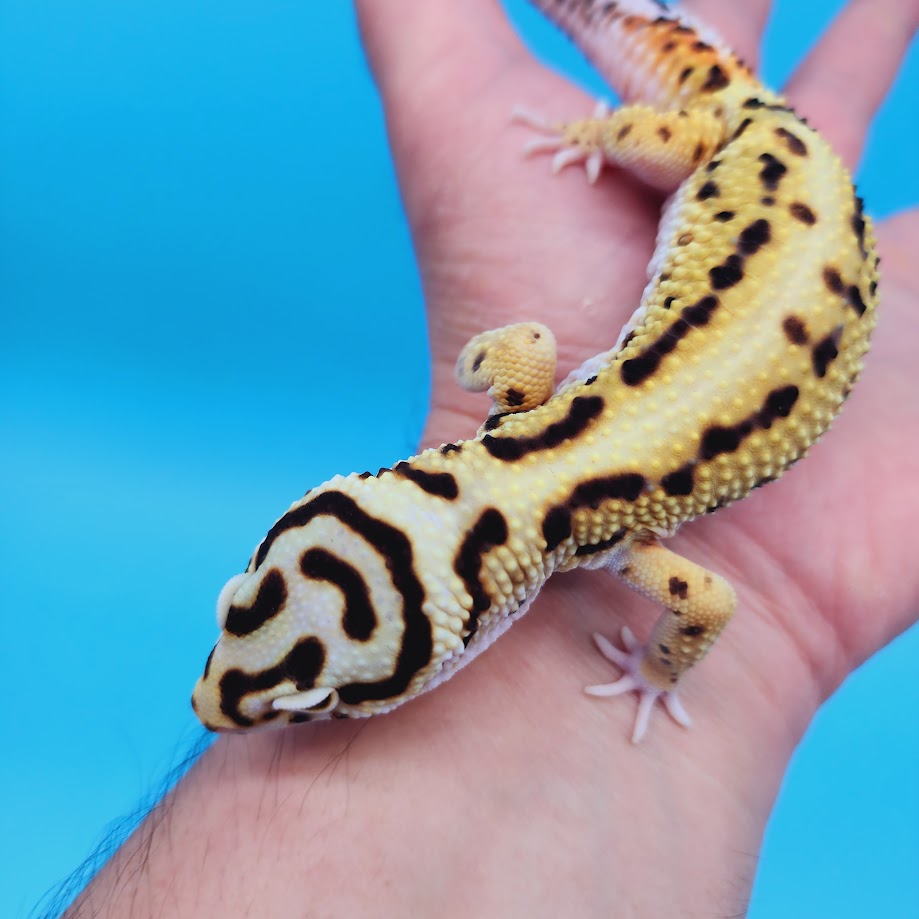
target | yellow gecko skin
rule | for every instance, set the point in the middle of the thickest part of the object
(372, 589)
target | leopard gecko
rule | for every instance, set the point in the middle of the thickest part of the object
(372, 589)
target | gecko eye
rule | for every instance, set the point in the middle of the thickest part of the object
(225, 599)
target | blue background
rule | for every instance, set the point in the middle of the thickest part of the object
(200, 237)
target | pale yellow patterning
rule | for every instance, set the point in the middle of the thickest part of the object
(372, 589)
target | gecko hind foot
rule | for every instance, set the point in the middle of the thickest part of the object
(629, 661)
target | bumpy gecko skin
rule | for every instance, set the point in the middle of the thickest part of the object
(761, 298)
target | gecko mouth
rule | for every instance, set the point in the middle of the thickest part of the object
(315, 701)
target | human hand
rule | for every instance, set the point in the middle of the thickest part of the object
(508, 791)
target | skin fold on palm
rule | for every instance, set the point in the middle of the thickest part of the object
(435, 801)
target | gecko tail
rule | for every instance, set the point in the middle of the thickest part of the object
(647, 51)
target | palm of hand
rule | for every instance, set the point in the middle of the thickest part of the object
(500, 241)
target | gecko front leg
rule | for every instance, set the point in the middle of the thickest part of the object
(661, 148)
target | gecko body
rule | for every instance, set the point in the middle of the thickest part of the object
(761, 298)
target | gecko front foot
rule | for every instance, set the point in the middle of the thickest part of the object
(579, 142)
(629, 661)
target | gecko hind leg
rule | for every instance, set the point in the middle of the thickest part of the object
(629, 661)
(697, 606)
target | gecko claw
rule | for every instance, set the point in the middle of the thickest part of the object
(629, 661)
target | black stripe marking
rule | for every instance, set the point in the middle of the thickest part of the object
(604, 544)
(489, 530)
(360, 618)
(626, 486)
(718, 439)
(637, 369)
(302, 666)
(391, 543)
(271, 596)
(582, 411)
(680, 482)
(439, 484)
(556, 527)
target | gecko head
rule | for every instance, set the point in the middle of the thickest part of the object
(324, 623)
(258, 675)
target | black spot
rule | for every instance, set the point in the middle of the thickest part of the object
(302, 666)
(708, 190)
(803, 213)
(664, 134)
(718, 439)
(701, 46)
(582, 411)
(556, 527)
(768, 200)
(623, 132)
(392, 545)
(716, 79)
(668, 302)
(439, 484)
(514, 397)
(795, 330)
(727, 274)
(271, 596)
(590, 381)
(604, 544)
(698, 153)
(773, 170)
(713, 165)
(480, 357)
(792, 141)
(365, 475)
(488, 531)
(754, 237)
(826, 351)
(724, 216)
(359, 619)
(854, 296)
(591, 493)
(832, 279)
(693, 630)
(684, 75)
(664, 649)
(678, 588)
(679, 482)
(449, 448)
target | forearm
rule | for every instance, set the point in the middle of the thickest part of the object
(506, 792)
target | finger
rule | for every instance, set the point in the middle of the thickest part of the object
(741, 25)
(841, 83)
(420, 47)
